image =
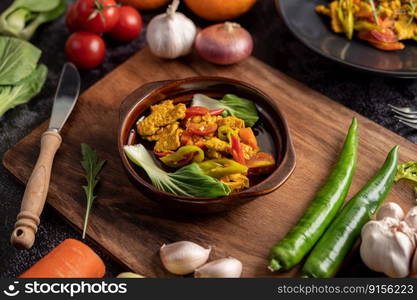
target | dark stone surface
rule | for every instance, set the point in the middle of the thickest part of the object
(364, 93)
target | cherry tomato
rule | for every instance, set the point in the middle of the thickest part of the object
(71, 18)
(85, 49)
(237, 151)
(97, 16)
(129, 25)
(201, 111)
(261, 163)
(201, 130)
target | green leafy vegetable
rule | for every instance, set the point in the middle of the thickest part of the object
(92, 167)
(232, 104)
(41, 18)
(187, 181)
(408, 171)
(13, 95)
(18, 59)
(15, 20)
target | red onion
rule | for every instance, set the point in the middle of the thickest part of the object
(224, 44)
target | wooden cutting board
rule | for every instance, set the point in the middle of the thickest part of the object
(132, 228)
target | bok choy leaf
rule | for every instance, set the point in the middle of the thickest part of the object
(13, 95)
(187, 181)
(232, 104)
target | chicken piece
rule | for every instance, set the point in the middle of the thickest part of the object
(236, 182)
(161, 115)
(217, 144)
(203, 120)
(167, 138)
(322, 9)
(214, 154)
(232, 122)
(248, 151)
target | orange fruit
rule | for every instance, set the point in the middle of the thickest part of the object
(219, 10)
(146, 4)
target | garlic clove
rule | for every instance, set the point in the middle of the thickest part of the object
(392, 210)
(411, 218)
(221, 268)
(129, 275)
(183, 257)
(414, 264)
(387, 247)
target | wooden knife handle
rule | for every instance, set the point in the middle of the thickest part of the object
(33, 201)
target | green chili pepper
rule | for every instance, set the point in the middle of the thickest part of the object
(225, 133)
(328, 254)
(218, 168)
(183, 156)
(301, 239)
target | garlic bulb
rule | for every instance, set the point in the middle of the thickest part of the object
(172, 34)
(183, 257)
(222, 268)
(411, 218)
(414, 265)
(388, 246)
(392, 210)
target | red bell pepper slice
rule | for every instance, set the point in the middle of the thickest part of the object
(237, 151)
(201, 111)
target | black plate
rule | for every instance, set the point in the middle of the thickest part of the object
(314, 31)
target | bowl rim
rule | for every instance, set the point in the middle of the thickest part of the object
(280, 174)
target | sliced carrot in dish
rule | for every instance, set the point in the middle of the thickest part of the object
(248, 137)
(70, 259)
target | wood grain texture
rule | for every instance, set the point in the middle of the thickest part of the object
(132, 228)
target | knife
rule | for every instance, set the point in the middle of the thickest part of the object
(23, 236)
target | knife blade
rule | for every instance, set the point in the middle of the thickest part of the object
(26, 226)
(65, 97)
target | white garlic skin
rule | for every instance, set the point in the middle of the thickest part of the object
(183, 257)
(171, 35)
(221, 268)
(411, 218)
(392, 210)
(414, 264)
(387, 246)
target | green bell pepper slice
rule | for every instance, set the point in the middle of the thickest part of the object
(184, 156)
(221, 167)
(225, 133)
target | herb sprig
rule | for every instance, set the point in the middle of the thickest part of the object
(92, 167)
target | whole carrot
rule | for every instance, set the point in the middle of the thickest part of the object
(70, 259)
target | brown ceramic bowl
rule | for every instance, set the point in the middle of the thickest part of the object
(271, 130)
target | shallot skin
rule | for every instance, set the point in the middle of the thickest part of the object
(224, 44)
